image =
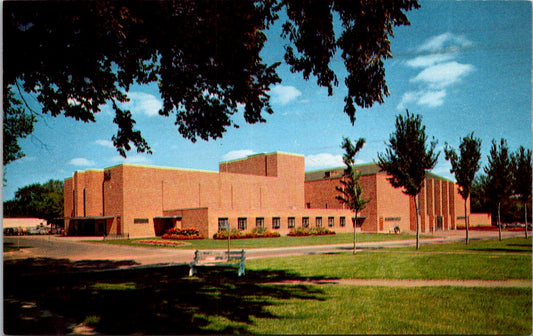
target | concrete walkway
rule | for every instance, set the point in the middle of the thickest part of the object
(74, 248)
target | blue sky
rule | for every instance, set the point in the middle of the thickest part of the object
(463, 65)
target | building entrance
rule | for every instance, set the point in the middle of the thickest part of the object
(439, 223)
(163, 224)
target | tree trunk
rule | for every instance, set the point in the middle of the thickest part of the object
(499, 223)
(466, 224)
(525, 213)
(417, 225)
(354, 234)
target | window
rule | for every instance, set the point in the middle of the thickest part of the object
(318, 222)
(308, 205)
(393, 219)
(242, 224)
(291, 222)
(342, 221)
(276, 222)
(331, 221)
(140, 221)
(305, 222)
(223, 224)
(260, 222)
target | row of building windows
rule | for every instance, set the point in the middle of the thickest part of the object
(242, 222)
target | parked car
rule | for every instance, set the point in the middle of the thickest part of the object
(39, 230)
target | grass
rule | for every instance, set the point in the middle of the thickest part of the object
(369, 310)
(482, 260)
(165, 301)
(284, 241)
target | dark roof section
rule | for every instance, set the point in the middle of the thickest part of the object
(337, 172)
(364, 169)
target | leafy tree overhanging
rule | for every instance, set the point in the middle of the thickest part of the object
(76, 56)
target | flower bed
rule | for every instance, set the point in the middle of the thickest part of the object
(302, 232)
(182, 234)
(160, 242)
(235, 234)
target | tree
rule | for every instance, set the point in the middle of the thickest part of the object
(351, 191)
(521, 161)
(17, 125)
(499, 178)
(465, 167)
(76, 56)
(478, 198)
(407, 159)
(37, 200)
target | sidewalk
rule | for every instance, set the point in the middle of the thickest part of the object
(74, 248)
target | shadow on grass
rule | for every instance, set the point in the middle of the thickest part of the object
(10, 247)
(50, 296)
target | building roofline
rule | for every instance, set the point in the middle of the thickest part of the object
(260, 154)
(429, 174)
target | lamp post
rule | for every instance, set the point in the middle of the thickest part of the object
(229, 236)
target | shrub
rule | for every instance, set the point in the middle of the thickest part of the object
(315, 231)
(256, 233)
(182, 234)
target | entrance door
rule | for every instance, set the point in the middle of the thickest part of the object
(162, 225)
(439, 223)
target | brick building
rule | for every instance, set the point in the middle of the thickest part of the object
(265, 190)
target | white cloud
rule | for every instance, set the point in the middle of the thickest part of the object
(133, 159)
(323, 160)
(105, 143)
(81, 162)
(282, 94)
(429, 60)
(445, 42)
(237, 154)
(444, 74)
(429, 98)
(439, 70)
(432, 98)
(145, 103)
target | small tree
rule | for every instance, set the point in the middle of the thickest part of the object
(499, 177)
(351, 191)
(465, 167)
(521, 161)
(406, 159)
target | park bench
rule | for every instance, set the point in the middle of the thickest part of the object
(395, 229)
(216, 258)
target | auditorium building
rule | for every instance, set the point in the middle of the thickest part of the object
(271, 191)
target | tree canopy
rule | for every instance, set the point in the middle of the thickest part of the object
(522, 174)
(464, 167)
(351, 192)
(37, 200)
(407, 158)
(74, 57)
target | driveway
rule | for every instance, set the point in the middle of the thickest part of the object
(75, 249)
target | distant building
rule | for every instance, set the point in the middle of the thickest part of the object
(24, 223)
(265, 190)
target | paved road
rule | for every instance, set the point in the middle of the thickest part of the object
(74, 249)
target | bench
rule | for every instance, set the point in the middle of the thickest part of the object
(394, 229)
(215, 258)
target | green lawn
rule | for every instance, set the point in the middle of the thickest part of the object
(284, 241)
(485, 260)
(370, 310)
(164, 300)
